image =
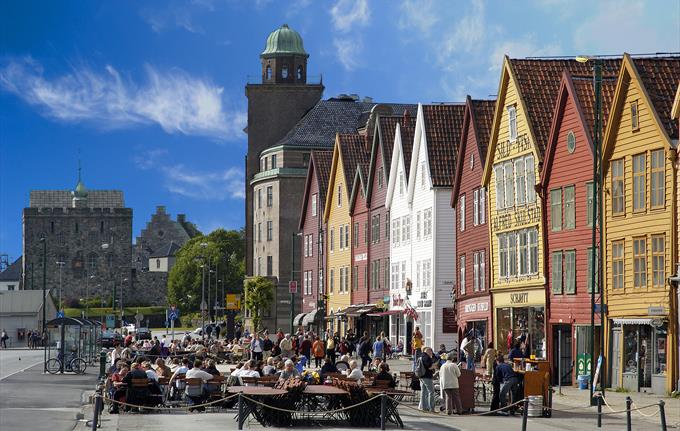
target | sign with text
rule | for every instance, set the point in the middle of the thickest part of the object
(449, 324)
(519, 218)
(474, 307)
(292, 286)
(233, 301)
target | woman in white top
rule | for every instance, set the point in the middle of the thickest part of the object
(354, 371)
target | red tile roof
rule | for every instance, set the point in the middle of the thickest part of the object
(483, 111)
(660, 76)
(322, 160)
(585, 94)
(354, 154)
(443, 129)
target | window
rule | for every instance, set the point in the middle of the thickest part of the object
(259, 232)
(570, 272)
(340, 195)
(274, 161)
(520, 181)
(512, 122)
(401, 183)
(427, 223)
(512, 254)
(556, 272)
(284, 71)
(617, 264)
(270, 196)
(639, 262)
(634, 117)
(472, 162)
(418, 217)
(395, 276)
(269, 73)
(342, 237)
(509, 185)
(571, 142)
(419, 265)
(76, 227)
(523, 252)
(266, 163)
(475, 272)
(321, 238)
(395, 231)
(366, 233)
(158, 263)
(500, 187)
(321, 286)
(475, 207)
(589, 204)
(341, 286)
(375, 229)
(590, 270)
(299, 72)
(259, 198)
(533, 250)
(109, 260)
(569, 208)
(346, 236)
(386, 268)
(657, 179)
(406, 229)
(310, 241)
(259, 265)
(427, 272)
(332, 239)
(422, 175)
(482, 205)
(355, 235)
(461, 212)
(482, 270)
(618, 202)
(556, 210)
(503, 254)
(355, 278)
(658, 260)
(314, 205)
(92, 261)
(305, 246)
(270, 266)
(270, 230)
(380, 178)
(331, 281)
(462, 275)
(639, 183)
(530, 178)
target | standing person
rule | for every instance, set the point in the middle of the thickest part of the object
(489, 358)
(330, 349)
(286, 345)
(448, 380)
(365, 350)
(425, 371)
(267, 346)
(508, 380)
(3, 339)
(306, 348)
(468, 346)
(417, 344)
(257, 347)
(378, 348)
(319, 351)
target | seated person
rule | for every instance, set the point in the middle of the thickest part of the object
(269, 369)
(196, 393)
(289, 371)
(118, 388)
(209, 367)
(384, 374)
(163, 370)
(247, 370)
(328, 367)
(375, 365)
(354, 371)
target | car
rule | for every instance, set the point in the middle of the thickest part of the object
(110, 339)
(129, 328)
(143, 334)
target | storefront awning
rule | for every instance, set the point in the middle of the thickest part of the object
(349, 311)
(297, 321)
(641, 321)
(310, 317)
(385, 313)
(361, 311)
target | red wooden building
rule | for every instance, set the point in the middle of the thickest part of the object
(312, 228)
(473, 308)
(567, 190)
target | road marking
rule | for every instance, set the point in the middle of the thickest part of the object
(20, 371)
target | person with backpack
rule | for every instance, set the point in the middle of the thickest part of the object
(319, 351)
(425, 371)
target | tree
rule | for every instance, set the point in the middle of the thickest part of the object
(259, 293)
(222, 253)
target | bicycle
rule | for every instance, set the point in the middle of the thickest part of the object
(75, 364)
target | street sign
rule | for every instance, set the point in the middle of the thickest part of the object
(173, 314)
(60, 314)
(233, 301)
(292, 286)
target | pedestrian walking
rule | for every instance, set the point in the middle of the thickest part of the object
(3, 339)
(417, 344)
(448, 381)
(424, 371)
(488, 359)
(365, 350)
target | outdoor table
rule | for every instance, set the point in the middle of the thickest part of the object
(250, 407)
(323, 398)
(392, 402)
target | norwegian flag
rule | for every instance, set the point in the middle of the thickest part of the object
(411, 312)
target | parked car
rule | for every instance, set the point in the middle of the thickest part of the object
(111, 338)
(143, 334)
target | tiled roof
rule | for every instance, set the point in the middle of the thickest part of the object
(322, 164)
(64, 199)
(168, 250)
(321, 123)
(586, 99)
(483, 113)
(408, 131)
(354, 154)
(538, 81)
(660, 76)
(443, 128)
(388, 125)
(12, 272)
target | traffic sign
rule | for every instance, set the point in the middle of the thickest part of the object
(233, 301)
(292, 286)
(60, 314)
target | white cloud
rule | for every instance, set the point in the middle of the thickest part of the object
(420, 16)
(346, 14)
(218, 185)
(468, 32)
(348, 52)
(150, 158)
(174, 100)
(524, 47)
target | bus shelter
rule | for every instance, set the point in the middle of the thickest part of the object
(69, 341)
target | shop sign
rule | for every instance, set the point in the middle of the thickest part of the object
(519, 217)
(386, 299)
(657, 323)
(519, 298)
(449, 324)
(474, 307)
(656, 311)
(359, 257)
(397, 300)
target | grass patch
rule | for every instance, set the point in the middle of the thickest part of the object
(621, 390)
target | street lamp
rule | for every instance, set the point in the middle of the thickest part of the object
(60, 264)
(122, 310)
(204, 245)
(43, 239)
(292, 278)
(597, 215)
(87, 295)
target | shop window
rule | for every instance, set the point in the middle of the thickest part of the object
(523, 325)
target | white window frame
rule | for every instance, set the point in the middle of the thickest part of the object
(461, 211)
(314, 205)
(512, 123)
(461, 263)
(475, 207)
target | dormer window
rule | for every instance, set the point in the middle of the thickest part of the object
(512, 122)
(269, 73)
(284, 71)
(299, 72)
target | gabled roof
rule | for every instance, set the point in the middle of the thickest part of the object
(318, 127)
(383, 137)
(443, 125)
(403, 144)
(168, 250)
(675, 114)
(13, 271)
(350, 148)
(580, 89)
(478, 116)
(661, 74)
(319, 168)
(23, 301)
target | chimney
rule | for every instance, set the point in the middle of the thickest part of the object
(407, 118)
(181, 218)
(368, 99)
(354, 97)
(160, 209)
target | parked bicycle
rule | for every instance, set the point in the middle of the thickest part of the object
(74, 364)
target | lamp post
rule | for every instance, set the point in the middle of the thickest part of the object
(122, 310)
(292, 278)
(60, 264)
(204, 245)
(597, 215)
(43, 239)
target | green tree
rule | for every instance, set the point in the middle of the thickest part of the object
(259, 293)
(221, 251)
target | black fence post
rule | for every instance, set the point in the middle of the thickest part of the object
(662, 413)
(240, 411)
(525, 414)
(629, 426)
(97, 407)
(102, 364)
(599, 411)
(383, 407)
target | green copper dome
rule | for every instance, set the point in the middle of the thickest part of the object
(284, 40)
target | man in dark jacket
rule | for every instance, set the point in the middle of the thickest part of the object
(365, 350)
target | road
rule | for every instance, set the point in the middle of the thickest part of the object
(14, 361)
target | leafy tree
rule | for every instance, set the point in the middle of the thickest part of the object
(220, 251)
(259, 293)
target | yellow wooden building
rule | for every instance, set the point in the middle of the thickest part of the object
(349, 150)
(640, 228)
(515, 229)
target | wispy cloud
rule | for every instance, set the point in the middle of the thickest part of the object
(527, 46)
(347, 15)
(348, 52)
(149, 158)
(218, 185)
(175, 14)
(420, 16)
(173, 99)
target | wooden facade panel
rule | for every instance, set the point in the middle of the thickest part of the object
(315, 261)
(359, 249)
(380, 250)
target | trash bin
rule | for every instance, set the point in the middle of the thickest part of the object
(583, 382)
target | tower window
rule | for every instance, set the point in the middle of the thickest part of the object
(269, 73)
(158, 263)
(299, 72)
(284, 71)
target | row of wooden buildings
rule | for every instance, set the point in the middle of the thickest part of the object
(477, 218)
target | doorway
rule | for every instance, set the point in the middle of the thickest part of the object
(615, 375)
(563, 359)
(409, 336)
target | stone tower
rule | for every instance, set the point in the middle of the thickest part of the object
(275, 105)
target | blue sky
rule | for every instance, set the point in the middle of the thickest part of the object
(152, 93)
